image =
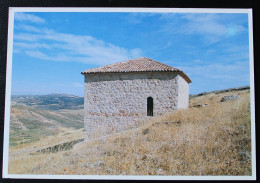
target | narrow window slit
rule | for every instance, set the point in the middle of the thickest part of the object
(149, 106)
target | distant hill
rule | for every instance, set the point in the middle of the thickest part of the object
(49, 102)
(220, 91)
(36, 116)
(29, 124)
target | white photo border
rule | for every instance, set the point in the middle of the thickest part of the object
(12, 10)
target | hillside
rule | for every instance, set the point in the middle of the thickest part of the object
(209, 138)
(29, 124)
(49, 102)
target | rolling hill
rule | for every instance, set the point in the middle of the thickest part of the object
(212, 137)
(49, 102)
(33, 117)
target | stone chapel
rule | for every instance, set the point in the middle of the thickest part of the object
(124, 95)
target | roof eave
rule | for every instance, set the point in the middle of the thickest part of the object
(185, 76)
(178, 71)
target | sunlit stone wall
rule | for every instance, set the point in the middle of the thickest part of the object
(118, 101)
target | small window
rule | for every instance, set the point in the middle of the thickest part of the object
(149, 106)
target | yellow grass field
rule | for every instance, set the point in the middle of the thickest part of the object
(211, 140)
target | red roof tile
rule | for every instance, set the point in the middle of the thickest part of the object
(136, 65)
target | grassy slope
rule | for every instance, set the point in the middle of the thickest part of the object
(213, 140)
(28, 124)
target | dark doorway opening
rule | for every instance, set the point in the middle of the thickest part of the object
(149, 106)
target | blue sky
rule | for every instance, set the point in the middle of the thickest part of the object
(50, 49)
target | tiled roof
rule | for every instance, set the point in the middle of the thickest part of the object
(136, 65)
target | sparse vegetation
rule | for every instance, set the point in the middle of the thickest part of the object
(210, 140)
(28, 124)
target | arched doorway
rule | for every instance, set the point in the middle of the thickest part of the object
(149, 106)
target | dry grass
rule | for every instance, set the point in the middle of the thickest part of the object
(65, 135)
(213, 140)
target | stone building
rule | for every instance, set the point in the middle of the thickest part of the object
(123, 95)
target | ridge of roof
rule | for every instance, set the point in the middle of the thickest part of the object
(141, 64)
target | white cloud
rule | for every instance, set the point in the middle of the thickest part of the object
(69, 47)
(233, 73)
(169, 43)
(210, 26)
(25, 37)
(37, 54)
(236, 48)
(206, 25)
(57, 57)
(136, 18)
(233, 30)
(28, 17)
(217, 76)
(28, 28)
(22, 45)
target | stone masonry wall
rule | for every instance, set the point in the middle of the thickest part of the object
(183, 93)
(116, 102)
